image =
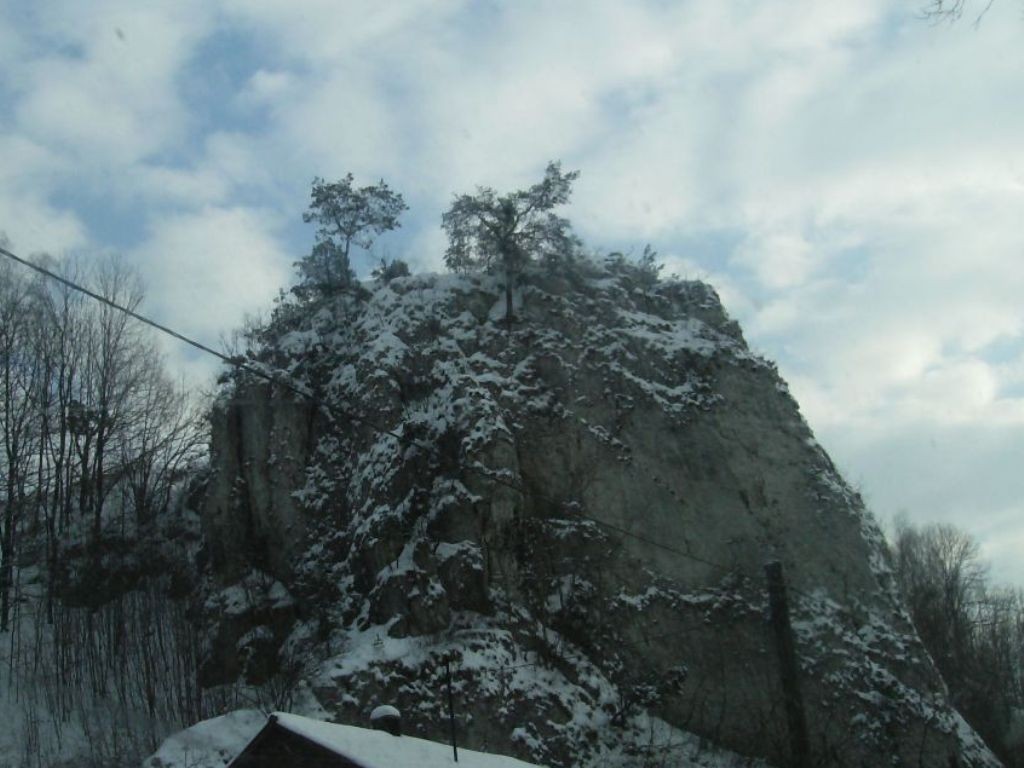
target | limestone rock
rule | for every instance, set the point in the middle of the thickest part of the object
(576, 510)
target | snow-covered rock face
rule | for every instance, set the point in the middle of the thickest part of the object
(576, 510)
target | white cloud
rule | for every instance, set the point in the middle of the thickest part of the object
(883, 230)
(12, 45)
(26, 216)
(340, 123)
(265, 87)
(207, 269)
(109, 94)
(966, 475)
(228, 164)
(316, 32)
(1002, 541)
(90, 97)
(426, 250)
(465, 101)
(779, 259)
(34, 226)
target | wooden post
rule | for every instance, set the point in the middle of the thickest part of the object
(789, 670)
(451, 707)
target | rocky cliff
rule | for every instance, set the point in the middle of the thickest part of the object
(574, 511)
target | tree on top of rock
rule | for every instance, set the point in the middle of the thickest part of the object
(346, 216)
(506, 232)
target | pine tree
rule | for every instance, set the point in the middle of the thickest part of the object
(347, 216)
(505, 233)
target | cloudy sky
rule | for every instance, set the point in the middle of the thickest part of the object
(849, 176)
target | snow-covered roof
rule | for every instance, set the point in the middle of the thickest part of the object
(210, 743)
(377, 749)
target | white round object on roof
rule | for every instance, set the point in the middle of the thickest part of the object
(384, 710)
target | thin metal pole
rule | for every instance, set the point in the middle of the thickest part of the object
(451, 708)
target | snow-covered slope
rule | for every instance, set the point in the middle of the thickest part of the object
(574, 512)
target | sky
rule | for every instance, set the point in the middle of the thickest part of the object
(848, 175)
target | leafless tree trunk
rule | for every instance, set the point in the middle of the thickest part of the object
(19, 373)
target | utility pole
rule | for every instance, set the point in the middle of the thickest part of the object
(789, 670)
(451, 706)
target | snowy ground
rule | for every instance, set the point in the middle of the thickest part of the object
(214, 743)
(60, 703)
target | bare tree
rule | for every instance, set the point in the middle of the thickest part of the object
(973, 631)
(19, 385)
(953, 10)
(117, 371)
(88, 416)
(85, 408)
(62, 326)
(162, 440)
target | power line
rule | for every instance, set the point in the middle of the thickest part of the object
(237, 362)
(114, 305)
